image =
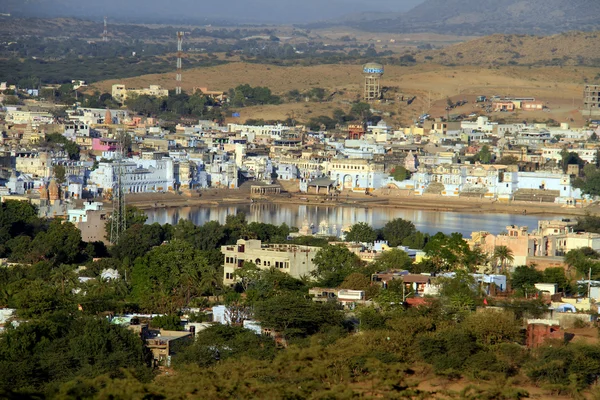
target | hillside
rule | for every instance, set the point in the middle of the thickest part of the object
(431, 83)
(571, 48)
(483, 17)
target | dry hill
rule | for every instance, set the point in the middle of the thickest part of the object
(481, 17)
(571, 48)
(431, 83)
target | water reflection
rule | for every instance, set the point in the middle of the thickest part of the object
(339, 217)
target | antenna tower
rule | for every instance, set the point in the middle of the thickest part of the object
(105, 33)
(179, 55)
(118, 222)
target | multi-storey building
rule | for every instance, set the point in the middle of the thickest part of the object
(356, 174)
(591, 99)
(292, 259)
(120, 93)
(138, 176)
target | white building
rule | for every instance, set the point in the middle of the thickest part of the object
(139, 176)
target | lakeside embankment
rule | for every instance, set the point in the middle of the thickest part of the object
(221, 197)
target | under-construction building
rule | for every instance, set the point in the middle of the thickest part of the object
(591, 99)
(373, 73)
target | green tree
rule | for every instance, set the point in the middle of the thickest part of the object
(61, 243)
(504, 255)
(60, 174)
(247, 274)
(38, 298)
(460, 293)
(294, 315)
(393, 259)
(417, 240)
(356, 281)
(393, 296)
(40, 354)
(334, 263)
(361, 232)
(160, 279)
(570, 158)
(449, 252)
(64, 277)
(493, 327)
(317, 93)
(557, 275)
(400, 173)
(222, 342)
(137, 240)
(591, 185)
(170, 322)
(361, 111)
(484, 155)
(525, 277)
(396, 230)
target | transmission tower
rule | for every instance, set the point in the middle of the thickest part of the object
(118, 222)
(105, 33)
(179, 55)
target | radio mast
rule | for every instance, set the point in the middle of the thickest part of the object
(179, 55)
(118, 220)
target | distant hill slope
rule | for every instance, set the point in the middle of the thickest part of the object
(480, 17)
(570, 48)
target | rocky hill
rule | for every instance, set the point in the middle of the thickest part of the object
(481, 17)
(570, 48)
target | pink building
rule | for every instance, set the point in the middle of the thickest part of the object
(104, 144)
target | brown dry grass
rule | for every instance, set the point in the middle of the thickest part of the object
(562, 87)
(571, 47)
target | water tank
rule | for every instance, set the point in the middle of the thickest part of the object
(373, 69)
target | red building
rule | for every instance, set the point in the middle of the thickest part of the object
(356, 131)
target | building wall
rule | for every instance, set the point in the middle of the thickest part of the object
(139, 176)
(33, 164)
(292, 259)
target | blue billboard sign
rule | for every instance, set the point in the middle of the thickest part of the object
(373, 70)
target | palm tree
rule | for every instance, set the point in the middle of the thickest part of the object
(504, 255)
(63, 276)
(189, 280)
(210, 281)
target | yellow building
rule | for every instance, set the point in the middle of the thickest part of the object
(120, 93)
(292, 259)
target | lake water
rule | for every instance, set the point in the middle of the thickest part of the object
(339, 217)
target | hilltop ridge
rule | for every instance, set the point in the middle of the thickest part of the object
(484, 17)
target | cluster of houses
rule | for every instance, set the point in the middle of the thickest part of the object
(439, 155)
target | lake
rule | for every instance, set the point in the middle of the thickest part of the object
(338, 217)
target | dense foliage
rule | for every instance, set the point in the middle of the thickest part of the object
(65, 348)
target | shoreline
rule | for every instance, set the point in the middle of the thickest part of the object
(227, 197)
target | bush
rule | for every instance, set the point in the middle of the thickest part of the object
(169, 322)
